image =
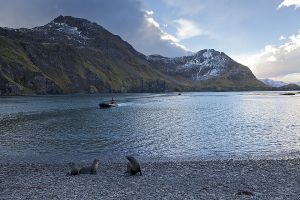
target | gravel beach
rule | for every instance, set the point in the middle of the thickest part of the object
(230, 179)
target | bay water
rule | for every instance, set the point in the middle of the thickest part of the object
(191, 126)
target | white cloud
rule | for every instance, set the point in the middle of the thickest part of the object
(272, 59)
(149, 12)
(166, 36)
(158, 40)
(289, 78)
(282, 37)
(163, 35)
(277, 61)
(187, 29)
(151, 21)
(288, 3)
(248, 60)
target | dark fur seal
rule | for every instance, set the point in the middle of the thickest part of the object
(90, 169)
(133, 166)
(74, 169)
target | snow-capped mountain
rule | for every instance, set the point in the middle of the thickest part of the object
(206, 64)
(70, 55)
(273, 83)
(58, 27)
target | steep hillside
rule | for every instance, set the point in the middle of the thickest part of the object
(71, 55)
(209, 70)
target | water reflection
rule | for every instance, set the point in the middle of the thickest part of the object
(165, 126)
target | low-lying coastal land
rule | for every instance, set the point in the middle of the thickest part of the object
(229, 179)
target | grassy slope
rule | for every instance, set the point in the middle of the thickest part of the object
(13, 60)
(72, 69)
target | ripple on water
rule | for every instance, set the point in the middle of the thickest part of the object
(190, 126)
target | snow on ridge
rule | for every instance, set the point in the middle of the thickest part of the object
(10, 29)
(273, 83)
(207, 64)
(208, 53)
(203, 65)
(67, 29)
(23, 30)
(70, 32)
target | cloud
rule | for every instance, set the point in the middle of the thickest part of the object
(282, 37)
(290, 78)
(149, 12)
(279, 61)
(125, 18)
(151, 21)
(288, 3)
(187, 29)
(167, 43)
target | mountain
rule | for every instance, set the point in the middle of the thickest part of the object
(273, 83)
(208, 70)
(289, 87)
(71, 55)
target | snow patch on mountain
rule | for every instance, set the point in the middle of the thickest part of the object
(273, 83)
(67, 29)
(208, 53)
(203, 65)
(207, 64)
(56, 30)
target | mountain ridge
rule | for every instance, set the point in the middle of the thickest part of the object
(71, 55)
(273, 83)
(207, 66)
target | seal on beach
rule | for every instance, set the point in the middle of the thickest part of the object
(74, 169)
(90, 169)
(133, 166)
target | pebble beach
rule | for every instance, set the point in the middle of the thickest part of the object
(229, 179)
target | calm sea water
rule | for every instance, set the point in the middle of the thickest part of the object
(192, 126)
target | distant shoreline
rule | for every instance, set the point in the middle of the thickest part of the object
(116, 93)
(230, 179)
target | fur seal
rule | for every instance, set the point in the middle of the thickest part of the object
(90, 169)
(74, 169)
(133, 166)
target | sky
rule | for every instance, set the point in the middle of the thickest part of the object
(261, 34)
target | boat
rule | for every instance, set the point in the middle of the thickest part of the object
(107, 105)
(288, 93)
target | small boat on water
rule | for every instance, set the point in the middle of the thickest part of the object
(289, 93)
(108, 104)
